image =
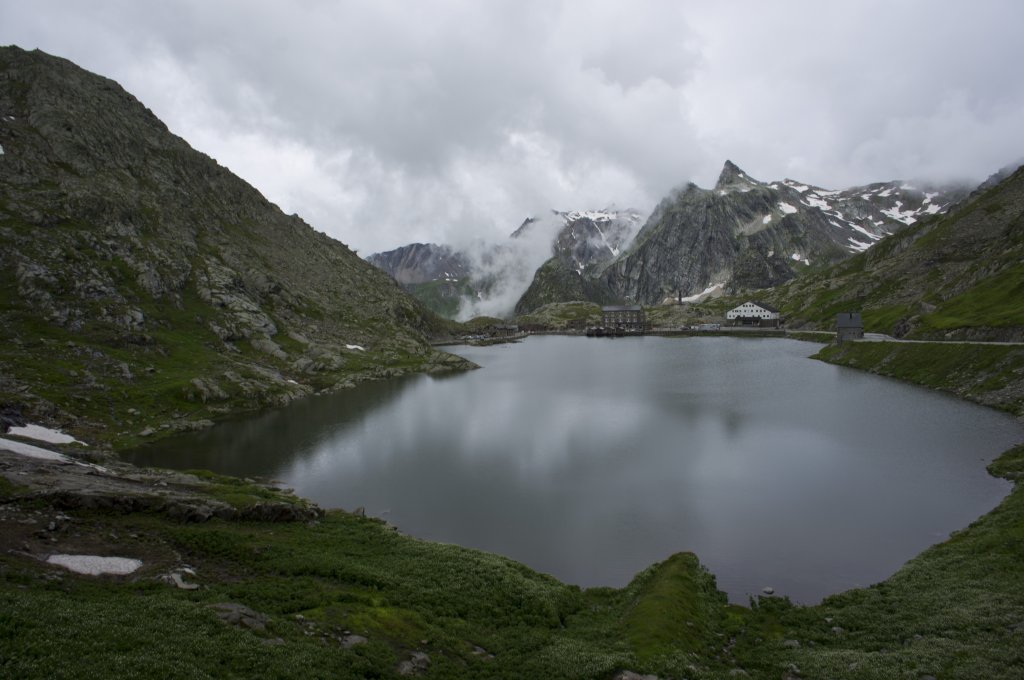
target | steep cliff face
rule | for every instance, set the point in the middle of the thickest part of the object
(750, 234)
(136, 269)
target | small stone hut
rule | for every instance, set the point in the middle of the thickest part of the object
(848, 327)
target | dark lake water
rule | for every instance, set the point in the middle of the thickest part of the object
(591, 459)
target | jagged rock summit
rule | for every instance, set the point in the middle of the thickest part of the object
(137, 271)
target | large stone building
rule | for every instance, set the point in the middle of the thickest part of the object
(753, 313)
(624, 317)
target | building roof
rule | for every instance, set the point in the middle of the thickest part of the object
(622, 308)
(849, 320)
(763, 305)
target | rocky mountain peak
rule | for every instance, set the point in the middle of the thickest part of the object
(731, 174)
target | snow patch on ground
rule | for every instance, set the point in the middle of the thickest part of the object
(816, 202)
(593, 215)
(766, 219)
(94, 565)
(358, 347)
(787, 208)
(885, 194)
(873, 237)
(859, 246)
(1, 149)
(703, 294)
(32, 451)
(798, 187)
(933, 208)
(44, 434)
(904, 216)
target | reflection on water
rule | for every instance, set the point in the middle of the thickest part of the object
(592, 458)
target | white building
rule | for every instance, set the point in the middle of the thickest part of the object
(753, 313)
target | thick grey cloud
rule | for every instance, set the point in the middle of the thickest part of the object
(386, 122)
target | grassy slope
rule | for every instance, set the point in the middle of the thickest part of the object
(345, 574)
(988, 374)
(959, 272)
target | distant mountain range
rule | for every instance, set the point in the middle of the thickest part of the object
(445, 279)
(748, 234)
(743, 234)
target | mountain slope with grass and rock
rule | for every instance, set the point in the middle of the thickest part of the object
(145, 288)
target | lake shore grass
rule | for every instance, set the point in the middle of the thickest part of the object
(954, 611)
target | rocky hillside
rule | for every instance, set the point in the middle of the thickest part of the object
(143, 286)
(437, 276)
(587, 242)
(421, 263)
(958, 275)
(747, 234)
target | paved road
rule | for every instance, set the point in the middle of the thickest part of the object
(882, 337)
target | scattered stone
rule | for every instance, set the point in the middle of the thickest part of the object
(791, 644)
(147, 432)
(416, 664)
(350, 641)
(838, 630)
(235, 614)
(273, 642)
(630, 675)
(174, 578)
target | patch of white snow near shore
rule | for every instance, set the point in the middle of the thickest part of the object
(32, 451)
(42, 454)
(44, 434)
(94, 565)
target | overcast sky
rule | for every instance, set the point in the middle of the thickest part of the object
(383, 123)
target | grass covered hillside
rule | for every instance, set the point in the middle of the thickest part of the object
(958, 275)
(144, 288)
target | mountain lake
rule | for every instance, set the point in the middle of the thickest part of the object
(591, 459)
